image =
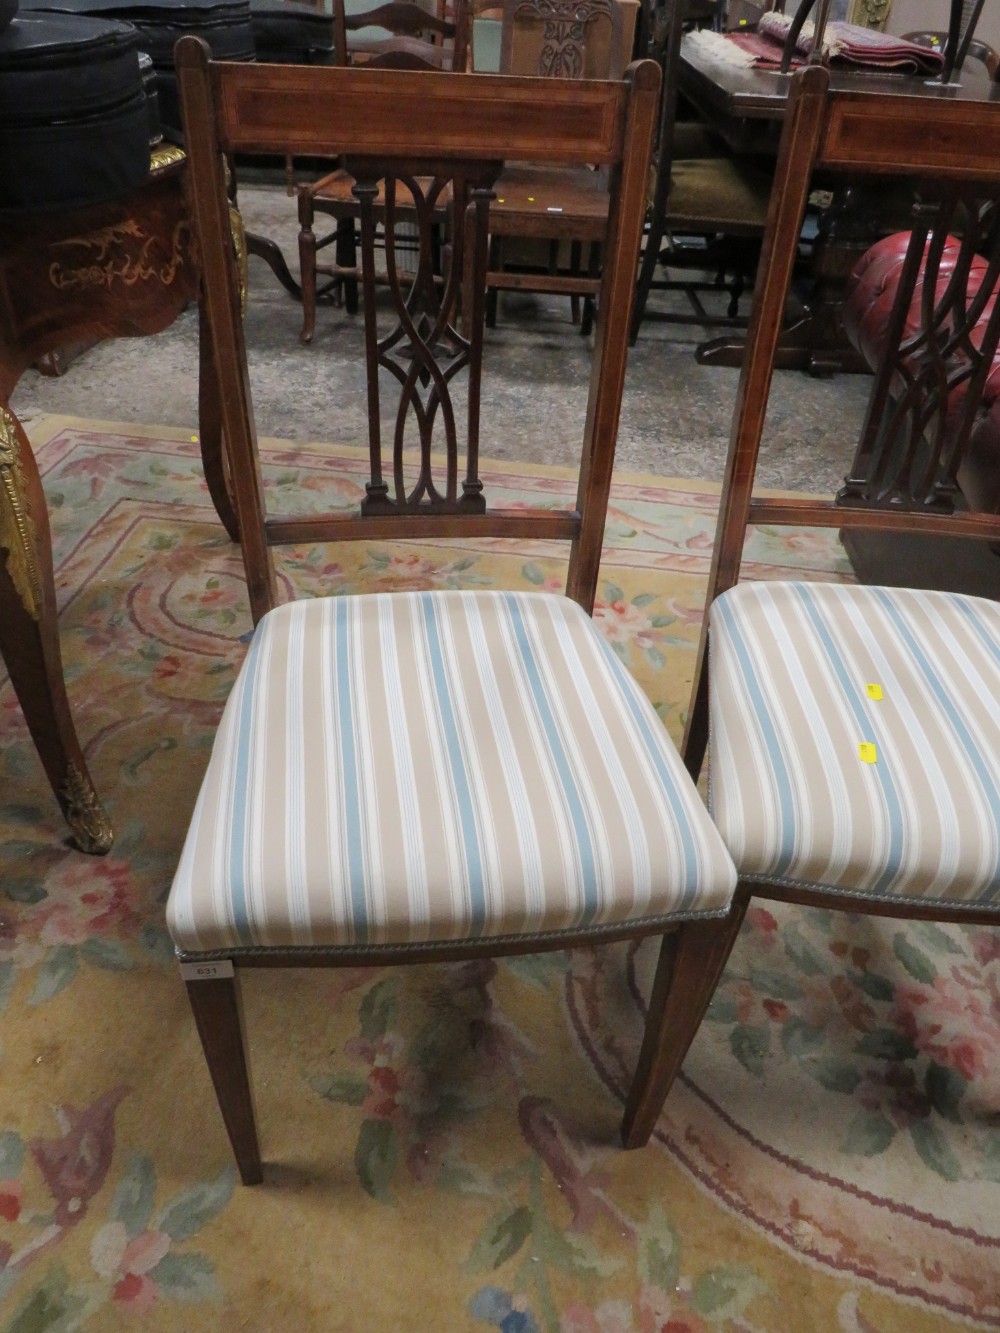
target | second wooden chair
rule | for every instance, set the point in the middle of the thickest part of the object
(395, 35)
(560, 207)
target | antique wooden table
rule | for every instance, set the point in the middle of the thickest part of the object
(119, 269)
(747, 106)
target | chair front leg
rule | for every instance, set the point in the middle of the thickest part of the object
(218, 1016)
(691, 962)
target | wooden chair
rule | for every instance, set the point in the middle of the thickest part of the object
(714, 200)
(420, 776)
(561, 206)
(855, 751)
(415, 40)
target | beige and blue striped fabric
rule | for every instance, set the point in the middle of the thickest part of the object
(414, 767)
(855, 739)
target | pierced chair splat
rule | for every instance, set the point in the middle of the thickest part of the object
(423, 776)
(855, 736)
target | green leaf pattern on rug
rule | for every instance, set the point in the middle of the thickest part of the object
(134, 1262)
(81, 912)
(551, 1210)
(903, 1029)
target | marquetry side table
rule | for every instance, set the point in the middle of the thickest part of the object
(120, 269)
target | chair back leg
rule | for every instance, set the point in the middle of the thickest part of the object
(691, 962)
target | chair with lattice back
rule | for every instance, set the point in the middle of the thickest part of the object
(411, 776)
(855, 735)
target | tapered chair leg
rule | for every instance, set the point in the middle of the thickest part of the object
(218, 1015)
(495, 264)
(590, 302)
(691, 961)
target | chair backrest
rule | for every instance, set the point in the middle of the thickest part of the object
(416, 38)
(925, 394)
(563, 39)
(455, 129)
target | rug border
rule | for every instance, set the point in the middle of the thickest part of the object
(42, 428)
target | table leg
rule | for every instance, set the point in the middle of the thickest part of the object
(29, 638)
(264, 248)
(815, 341)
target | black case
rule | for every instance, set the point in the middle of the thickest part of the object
(223, 24)
(74, 119)
(290, 34)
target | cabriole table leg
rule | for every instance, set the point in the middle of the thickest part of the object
(29, 638)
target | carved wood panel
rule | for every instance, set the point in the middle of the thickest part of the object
(423, 351)
(940, 344)
(564, 33)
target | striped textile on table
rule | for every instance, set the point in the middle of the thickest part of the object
(410, 767)
(803, 676)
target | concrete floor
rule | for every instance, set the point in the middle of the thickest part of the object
(675, 418)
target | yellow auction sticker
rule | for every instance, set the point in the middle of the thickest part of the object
(867, 752)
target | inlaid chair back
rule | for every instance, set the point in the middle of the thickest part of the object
(455, 139)
(430, 775)
(855, 737)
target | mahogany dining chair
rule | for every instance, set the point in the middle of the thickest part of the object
(418, 776)
(854, 732)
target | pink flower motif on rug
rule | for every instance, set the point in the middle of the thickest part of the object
(138, 1257)
(847, 1068)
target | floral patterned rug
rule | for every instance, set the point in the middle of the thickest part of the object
(441, 1141)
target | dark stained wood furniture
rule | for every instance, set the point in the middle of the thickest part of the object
(747, 107)
(416, 40)
(113, 270)
(563, 206)
(949, 143)
(454, 129)
(700, 194)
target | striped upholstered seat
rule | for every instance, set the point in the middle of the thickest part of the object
(856, 740)
(397, 769)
